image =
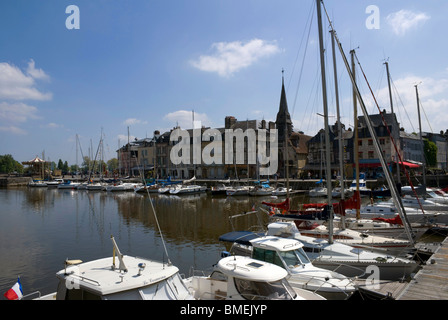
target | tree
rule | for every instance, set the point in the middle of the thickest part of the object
(430, 153)
(112, 164)
(8, 164)
(60, 165)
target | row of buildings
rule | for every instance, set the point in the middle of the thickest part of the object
(303, 156)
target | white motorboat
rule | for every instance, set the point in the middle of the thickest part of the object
(54, 183)
(387, 210)
(133, 279)
(318, 192)
(358, 239)
(345, 259)
(362, 186)
(68, 185)
(123, 186)
(337, 192)
(261, 191)
(390, 228)
(281, 191)
(187, 189)
(151, 188)
(289, 254)
(37, 184)
(96, 186)
(244, 278)
(426, 204)
(220, 189)
(238, 191)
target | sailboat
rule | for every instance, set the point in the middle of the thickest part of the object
(344, 235)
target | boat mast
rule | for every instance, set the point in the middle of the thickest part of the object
(286, 147)
(396, 198)
(341, 155)
(327, 133)
(355, 115)
(392, 111)
(421, 140)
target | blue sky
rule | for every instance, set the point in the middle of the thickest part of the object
(147, 64)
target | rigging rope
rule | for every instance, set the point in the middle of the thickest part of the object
(390, 135)
(311, 14)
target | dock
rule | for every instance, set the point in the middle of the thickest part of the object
(429, 283)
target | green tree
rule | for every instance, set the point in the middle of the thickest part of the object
(65, 167)
(430, 153)
(112, 164)
(8, 164)
(60, 165)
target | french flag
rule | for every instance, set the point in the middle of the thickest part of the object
(15, 293)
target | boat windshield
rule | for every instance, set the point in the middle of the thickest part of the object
(282, 258)
(255, 290)
(294, 257)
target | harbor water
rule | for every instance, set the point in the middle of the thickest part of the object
(42, 227)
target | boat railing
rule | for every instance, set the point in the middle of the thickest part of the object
(85, 279)
(362, 271)
(322, 281)
(29, 295)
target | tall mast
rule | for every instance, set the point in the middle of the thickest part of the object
(341, 154)
(421, 140)
(327, 133)
(355, 115)
(396, 198)
(392, 111)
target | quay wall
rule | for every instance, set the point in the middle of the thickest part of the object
(296, 184)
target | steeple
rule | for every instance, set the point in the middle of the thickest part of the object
(283, 121)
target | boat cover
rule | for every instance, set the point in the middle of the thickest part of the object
(241, 237)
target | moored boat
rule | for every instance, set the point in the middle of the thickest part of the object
(244, 278)
(132, 279)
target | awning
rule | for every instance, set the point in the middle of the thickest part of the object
(409, 164)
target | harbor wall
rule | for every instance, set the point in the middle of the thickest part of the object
(440, 181)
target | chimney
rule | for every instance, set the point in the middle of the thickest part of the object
(229, 122)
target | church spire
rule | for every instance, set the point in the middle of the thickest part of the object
(283, 121)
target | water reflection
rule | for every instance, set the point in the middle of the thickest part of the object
(40, 228)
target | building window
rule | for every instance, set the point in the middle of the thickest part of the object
(370, 142)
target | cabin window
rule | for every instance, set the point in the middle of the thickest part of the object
(81, 294)
(312, 249)
(268, 256)
(254, 290)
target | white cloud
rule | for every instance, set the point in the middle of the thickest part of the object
(133, 121)
(124, 139)
(230, 57)
(52, 125)
(184, 119)
(404, 20)
(17, 112)
(13, 129)
(15, 85)
(433, 102)
(36, 73)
